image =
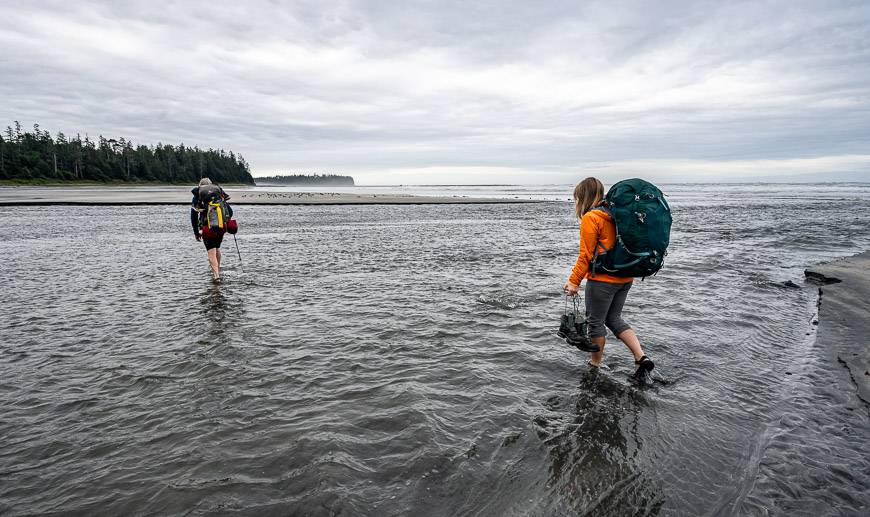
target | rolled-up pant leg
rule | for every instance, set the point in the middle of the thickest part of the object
(614, 320)
(604, 302)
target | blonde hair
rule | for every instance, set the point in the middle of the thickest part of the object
(587, 194)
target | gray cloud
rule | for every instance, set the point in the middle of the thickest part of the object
(417, 91)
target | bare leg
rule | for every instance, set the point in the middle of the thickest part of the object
(630, 339)
(215, 262)
(595, 357)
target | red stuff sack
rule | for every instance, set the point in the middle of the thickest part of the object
(208, 233)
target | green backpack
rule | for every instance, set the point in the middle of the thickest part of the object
(643, 230)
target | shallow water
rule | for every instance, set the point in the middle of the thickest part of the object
(402, 360)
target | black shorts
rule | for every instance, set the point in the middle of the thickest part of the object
(213, 241)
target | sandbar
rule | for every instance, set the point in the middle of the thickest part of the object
(40, 196)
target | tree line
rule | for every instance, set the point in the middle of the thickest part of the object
(306, 179)
(36, 156)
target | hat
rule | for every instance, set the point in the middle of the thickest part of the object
(205, 181)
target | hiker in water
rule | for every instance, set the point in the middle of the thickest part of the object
(604, 294)
(209, 213)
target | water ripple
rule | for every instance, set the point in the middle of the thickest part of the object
(390, 360)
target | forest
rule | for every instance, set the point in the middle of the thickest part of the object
(307, 179)
(36, 157)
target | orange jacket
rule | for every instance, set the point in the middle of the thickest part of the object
(596, 226)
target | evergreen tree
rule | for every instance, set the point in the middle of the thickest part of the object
(38, 156)
(2, 159)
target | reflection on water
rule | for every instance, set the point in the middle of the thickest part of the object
(596, 451)
(213, 303)
(215, 308)
(221, 312)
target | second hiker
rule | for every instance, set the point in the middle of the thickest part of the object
(209, 215)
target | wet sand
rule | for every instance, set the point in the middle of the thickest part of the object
(844, 315)
(24, 196)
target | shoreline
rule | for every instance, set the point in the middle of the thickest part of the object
(844, 315)
(150, 196)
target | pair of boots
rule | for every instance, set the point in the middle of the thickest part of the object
(574, 329)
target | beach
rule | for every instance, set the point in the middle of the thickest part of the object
(844, 315)
(43, 196)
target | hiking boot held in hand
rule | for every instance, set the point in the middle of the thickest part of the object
(567, 326)
(583, 343)
(574, 331)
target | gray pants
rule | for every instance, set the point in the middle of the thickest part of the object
(604, 303)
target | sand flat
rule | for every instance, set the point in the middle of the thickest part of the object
(844, 315)
(110, 195)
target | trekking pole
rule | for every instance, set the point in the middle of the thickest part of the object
(237, 251)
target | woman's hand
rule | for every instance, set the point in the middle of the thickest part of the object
(571, 289)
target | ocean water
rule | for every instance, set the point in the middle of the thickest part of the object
(683, 192)
(402, 360)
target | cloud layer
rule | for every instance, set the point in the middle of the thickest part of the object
(428, 91)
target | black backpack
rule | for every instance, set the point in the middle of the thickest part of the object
(643, 230)
(214, 208)
(208, 193)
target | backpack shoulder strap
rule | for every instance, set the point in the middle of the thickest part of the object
(599, 247)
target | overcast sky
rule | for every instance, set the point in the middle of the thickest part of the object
(457, 92)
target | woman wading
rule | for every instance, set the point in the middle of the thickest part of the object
(605, 294)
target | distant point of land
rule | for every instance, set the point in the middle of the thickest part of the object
(306, 179)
